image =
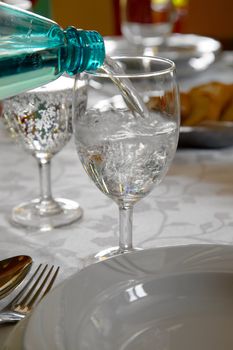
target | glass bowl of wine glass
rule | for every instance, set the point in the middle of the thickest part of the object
(41, 121)
(126, 125)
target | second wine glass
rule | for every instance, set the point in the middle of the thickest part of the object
(126, 148)
(41, 120)
(147, 23)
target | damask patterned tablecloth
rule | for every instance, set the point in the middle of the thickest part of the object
(194, 203)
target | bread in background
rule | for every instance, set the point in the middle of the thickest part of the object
(227, 114)
(207, 103)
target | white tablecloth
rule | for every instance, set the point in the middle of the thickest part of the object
(194, 203)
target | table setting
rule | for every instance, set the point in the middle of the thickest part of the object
(131, 227)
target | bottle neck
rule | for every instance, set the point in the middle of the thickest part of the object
(85, 50)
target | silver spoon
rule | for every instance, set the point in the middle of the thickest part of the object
(12, 272)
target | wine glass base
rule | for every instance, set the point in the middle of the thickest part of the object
(32, 214)
(113, 251)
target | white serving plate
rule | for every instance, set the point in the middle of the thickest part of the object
(173, 298)
(212, 135)
(191, 53)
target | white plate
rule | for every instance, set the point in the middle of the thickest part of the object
(174, 298)
(215, 135)
(191, 53)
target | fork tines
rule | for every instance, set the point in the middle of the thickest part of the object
(36, 287)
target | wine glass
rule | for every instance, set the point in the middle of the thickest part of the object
(127, 151)
(147, 23)
(41, 120)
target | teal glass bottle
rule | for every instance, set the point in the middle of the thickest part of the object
(35, 50)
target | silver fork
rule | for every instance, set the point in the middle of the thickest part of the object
(30, 295)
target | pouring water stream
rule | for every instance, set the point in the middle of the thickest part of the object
(130, 95)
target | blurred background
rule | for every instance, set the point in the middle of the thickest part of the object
(204, 17)
(212, 18)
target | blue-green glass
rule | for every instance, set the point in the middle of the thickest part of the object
(35, 50)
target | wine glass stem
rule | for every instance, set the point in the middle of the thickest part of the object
(125, 235)
(45, 179)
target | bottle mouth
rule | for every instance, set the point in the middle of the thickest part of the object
(86, 50)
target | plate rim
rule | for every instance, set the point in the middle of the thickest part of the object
(217, 250)
(216, 46)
